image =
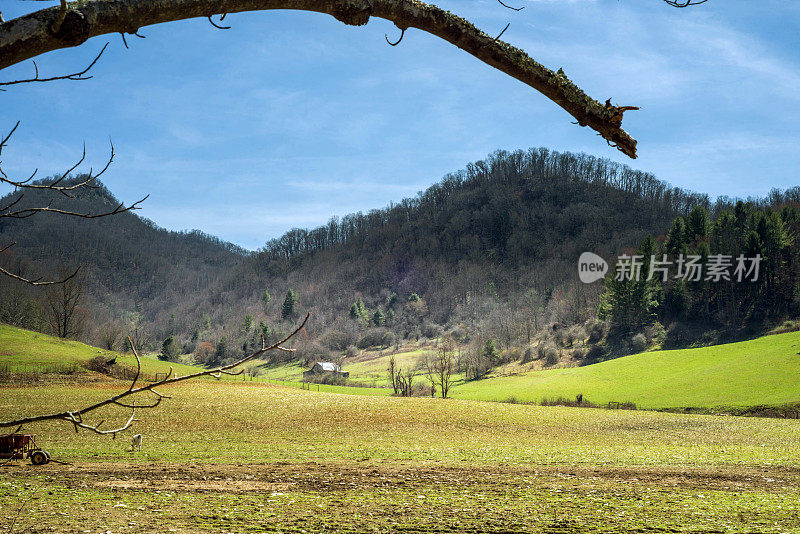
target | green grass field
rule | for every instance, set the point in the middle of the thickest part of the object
(28, 351)
(373, 371)
(368, 369)
(763, 371)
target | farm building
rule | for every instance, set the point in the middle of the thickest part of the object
(324, 369)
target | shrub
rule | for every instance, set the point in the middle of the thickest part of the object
(596, 330)
(387, 338)
(575, 333)
(656, 333)
(460, 334)
(549, 352)
(374, 337)
(528, 355)
(561, 337)
(205, 352)
(638, 343)
(337, 339)
(594, 353)
(579, 353)
(432, 331)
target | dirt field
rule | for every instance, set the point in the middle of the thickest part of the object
(235, 457)
(382, 497)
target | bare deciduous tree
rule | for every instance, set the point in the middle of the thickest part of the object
(63, 305)
(393, 374)
(439, 366)
(476, 363)
(109, 334)
(402, 380)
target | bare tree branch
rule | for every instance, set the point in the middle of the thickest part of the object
(31, 35)
(76, 76)
(60, 187)
(38, 282)
(502, 32)
(65, 190)
(685, 3)
(54, 186)
(27, 212)
(75, 417)
(509, 7)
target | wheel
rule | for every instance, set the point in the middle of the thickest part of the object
(48, 456)
(38, 458)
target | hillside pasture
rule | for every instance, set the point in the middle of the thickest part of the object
(25, 351)
(762, 371)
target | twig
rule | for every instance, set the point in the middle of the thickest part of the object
(509, 7)
(402, 33)
(217, 25)
(24, 504)
(38, 282)
(76, 76)
(502, 32)
(28, 212)
(685, 3)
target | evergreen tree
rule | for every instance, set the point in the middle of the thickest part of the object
(629, 303)
(378, 318)
(490, 352)
(288, 309)
(221, 352)
(247, 323)
(676, 238)
(169, 350)
(697, 224)
(359, 312)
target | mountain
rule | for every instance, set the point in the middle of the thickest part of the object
(489, 251)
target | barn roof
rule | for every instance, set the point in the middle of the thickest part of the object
(329, 366)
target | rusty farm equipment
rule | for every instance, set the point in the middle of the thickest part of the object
(21, 446)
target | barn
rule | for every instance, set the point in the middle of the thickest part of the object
(320, 369)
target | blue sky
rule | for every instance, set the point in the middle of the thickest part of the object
(290, 117)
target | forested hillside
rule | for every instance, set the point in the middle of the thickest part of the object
(489, 251)
(132, 270)
(488, 254)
